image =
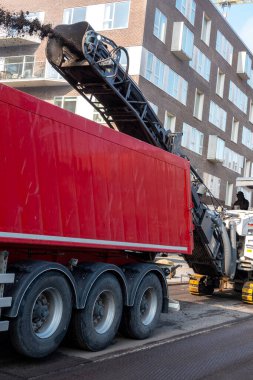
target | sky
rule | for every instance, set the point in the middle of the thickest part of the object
(240, 17)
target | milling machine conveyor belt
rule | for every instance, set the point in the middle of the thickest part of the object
(91, 64)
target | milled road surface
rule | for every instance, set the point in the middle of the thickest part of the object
(224, 353)
(209, 337)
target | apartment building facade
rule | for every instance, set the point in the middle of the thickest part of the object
(189, 63)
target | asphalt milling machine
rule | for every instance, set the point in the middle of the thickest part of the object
(223, 239)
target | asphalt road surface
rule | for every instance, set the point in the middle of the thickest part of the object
(208, 338)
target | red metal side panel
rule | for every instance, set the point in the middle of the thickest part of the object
(67, 181)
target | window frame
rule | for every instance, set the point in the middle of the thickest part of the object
(159, 30)
(101, 9)
(224, 47)
(213, 183)
(238, 97)
(192, 139)
(220, 83)
(201, 63)
(64, 99)
(217, 116)
(235, 130)
(188, 9)
(198, 108)
(172, 123)
(206, 33)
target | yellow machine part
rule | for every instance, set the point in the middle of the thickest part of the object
(247, 292)
(201, 285)
(194, 284)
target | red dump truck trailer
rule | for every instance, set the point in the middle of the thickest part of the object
(83, 212)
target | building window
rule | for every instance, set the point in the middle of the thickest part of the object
(73, 15)
(198, 104)
(212, 183)
(159, 73)
(251, 112)
(155, 70)
(160, 25)
(201, 63)
(149, 67)
(250, 80)
(176, 86)
(96, 116)
(103, 16)
(206, 29)
(247, 138)
(246, 171)
(66, 102)
(233, 160)
(192, 139)
(182, 41)
(49, 72)
(217, 116)
(220, 83)
(187, 8)
(169, 122)
(166, 79)
(20, 67)
(216, 148)
(229, 194)
(123, 58)
(154, 107)
(237, 97)
(234, 130)
(31, 16)
(224, 47)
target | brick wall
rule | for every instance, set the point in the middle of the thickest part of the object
(140, 32)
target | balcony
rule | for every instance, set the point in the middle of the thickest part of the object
(244, 65)
(245, 182)
(18, 41)
(14, 40)
(24, 71)
(182, 41)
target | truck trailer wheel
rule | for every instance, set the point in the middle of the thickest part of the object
(95, 326)
(43, 317)
(140, 320)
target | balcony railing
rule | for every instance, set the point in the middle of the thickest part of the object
(28, 73)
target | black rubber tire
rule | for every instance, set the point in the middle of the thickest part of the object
(132, 324)
(83, 331)
(23, 337)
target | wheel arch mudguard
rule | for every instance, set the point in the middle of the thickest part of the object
(25, 274)
(135, 273)
(86, 274)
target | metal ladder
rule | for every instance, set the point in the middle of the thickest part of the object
(5, 278)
